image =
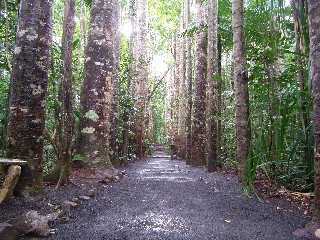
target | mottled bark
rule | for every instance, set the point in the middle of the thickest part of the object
(198, 156)
(114, 117)
(142, 76)
(66, 92)
(175, 96)
(241, 89)
(131, 79)
(96, 95)
(314, 32)
(182, 91)
(189, 88)
(167, 114)
(28, 92)
(212, 126)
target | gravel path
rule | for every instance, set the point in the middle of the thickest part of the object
(165, 199)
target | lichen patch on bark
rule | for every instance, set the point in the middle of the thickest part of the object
(36, 89)
(92, 115)
(88, 130)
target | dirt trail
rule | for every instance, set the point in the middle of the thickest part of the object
(165, 199)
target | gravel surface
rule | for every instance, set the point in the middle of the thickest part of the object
(161, 198)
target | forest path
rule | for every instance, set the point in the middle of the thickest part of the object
(165, 199)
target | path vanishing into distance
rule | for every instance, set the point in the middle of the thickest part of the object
(162, 198)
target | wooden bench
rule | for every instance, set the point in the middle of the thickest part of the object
(12, 170)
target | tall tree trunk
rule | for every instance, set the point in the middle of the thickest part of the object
(175, 99)
(142, 76)
(114, 117)
(189, 88)
(131, 79)
(198, 157)
(314, 32)
(96, 95)
(66, 91)
(28, 92)
(220, 87)
(212, 86)
(241, 89)
(182, 90)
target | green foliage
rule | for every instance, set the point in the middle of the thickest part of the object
(194, 28)
(163, 23)
(88, 3)
(4, 90)
(12, 17)
(126, 109)
(225, 26)
(53, 108)
(278, 128)
(8, 23)
(78, 157)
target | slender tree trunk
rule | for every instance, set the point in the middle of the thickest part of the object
(198, 157)
(28, 92)
(83, 24)
(142, 76)
(182, 91)
(96, 96)
(314, 32)
(241, 89)
(114, 117)
(212, 157)
(189, 88)
(82, 40)
(67, 94)
(175, 99)
(7, 38)
(220, 87)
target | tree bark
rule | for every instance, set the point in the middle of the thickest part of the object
(67, 93)
(82, 42)
(212, 86)
(96, 96)
(142, 76)
(114, 117)
(198, 157)
(175, 99)
(314, 32)
(241, 89)
(220, 87)
(182, 90)
(29, 81)
(189, 88)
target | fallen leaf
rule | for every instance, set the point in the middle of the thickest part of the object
(317, 233)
